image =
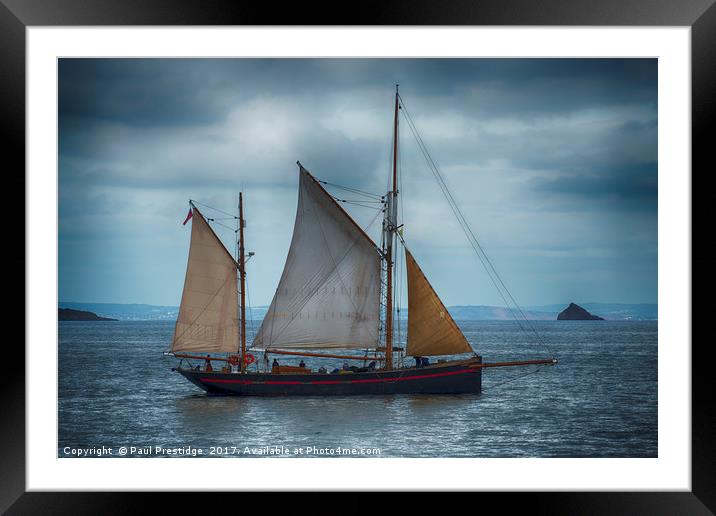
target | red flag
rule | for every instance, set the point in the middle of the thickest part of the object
(191, 214)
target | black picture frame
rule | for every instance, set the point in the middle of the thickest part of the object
(17, 15)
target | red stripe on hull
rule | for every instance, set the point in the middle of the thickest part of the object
(334, 382)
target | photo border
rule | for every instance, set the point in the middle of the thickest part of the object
(16, 15)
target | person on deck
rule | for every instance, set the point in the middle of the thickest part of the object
(418, 361)
(207, 364)
(274, 365)
(302, 363)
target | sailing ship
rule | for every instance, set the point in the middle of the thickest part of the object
(334, 300)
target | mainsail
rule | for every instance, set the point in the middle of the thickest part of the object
(431, 329)
(329, 292)
(208, 315)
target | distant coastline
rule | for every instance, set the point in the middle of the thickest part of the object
(68, 314)
(610, 311)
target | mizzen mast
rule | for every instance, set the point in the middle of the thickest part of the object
(242, 279)
(389, 226)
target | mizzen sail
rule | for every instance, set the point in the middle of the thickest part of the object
(329, 292)
(208, 315)
(431, 329)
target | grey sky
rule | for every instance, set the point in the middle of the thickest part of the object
(553, 161)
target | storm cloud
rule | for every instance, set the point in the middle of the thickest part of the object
(553, 161)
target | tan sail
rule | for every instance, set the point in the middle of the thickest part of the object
(208, 315)
(431, 329)
(329, 293)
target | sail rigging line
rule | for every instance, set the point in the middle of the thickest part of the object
(356, 200)
(215, 209)
(472, 239)
(453, 204)
(215, 221)
(537, 369)
(340, 208)
(336, 264)
(350, 189)
(455, 209)
(236, 264)
(352, 203)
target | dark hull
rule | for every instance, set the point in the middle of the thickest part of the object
(447, 378)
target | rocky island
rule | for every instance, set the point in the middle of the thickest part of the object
(67, 314)
(577, 313)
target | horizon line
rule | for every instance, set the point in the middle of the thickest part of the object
(455, 305)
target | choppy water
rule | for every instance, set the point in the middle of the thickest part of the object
(116, 389)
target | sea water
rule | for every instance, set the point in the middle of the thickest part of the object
(118, 397)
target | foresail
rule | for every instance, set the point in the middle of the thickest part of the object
(208, 315)
(329, 292)
(431, 329)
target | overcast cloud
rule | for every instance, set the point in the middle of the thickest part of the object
(553, 161)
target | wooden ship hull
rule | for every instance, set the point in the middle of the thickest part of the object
(456, 377)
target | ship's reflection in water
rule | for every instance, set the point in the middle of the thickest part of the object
(116, 389)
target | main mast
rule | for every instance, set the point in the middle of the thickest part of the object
(390, 223)
(242, 276)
